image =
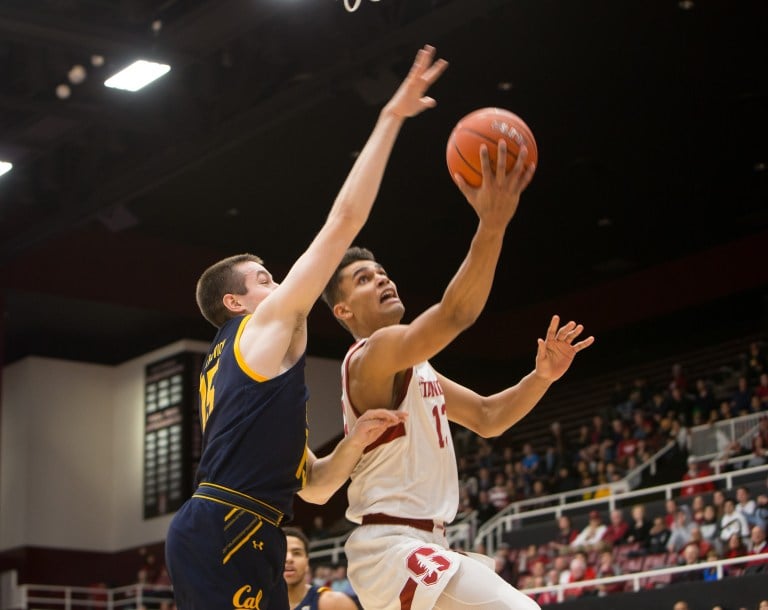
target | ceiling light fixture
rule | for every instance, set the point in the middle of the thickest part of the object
(136, 76)
(5, 167)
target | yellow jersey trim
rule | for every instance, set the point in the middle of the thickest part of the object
(239, 355)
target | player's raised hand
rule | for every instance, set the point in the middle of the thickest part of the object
(372, 424)
(556, 352)
(410, 99)
(497, 197)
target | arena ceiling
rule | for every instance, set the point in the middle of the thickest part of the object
(651, 194)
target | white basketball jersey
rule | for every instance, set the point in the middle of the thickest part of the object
(410, 470)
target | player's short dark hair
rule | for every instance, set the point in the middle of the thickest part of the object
(298, 533)
(219, 279)
(331, 295)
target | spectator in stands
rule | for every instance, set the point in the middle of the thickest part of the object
(578, 572)
(565, 481)
(590, 537)
(606, 566)
(498, 495)
(690, 558)
(710, 526)
(670, 512)
(735, 547)
(704, 400)
(763, 605)
(530, 460)
(485, 510)
(545, 597)
(732, 523)
(693, 473)
(539, 491)
(756, 362)
(741, 397)
(745, 504)
(565, 536)
(506, 568)
(679, 434)
(761, 391)
(484, 481)
(696, 538)
(761, 511)
(640, 527)
(678, 405)
(658, 537)
(680, 532)
(760, 451)
(718, 501)
(697, 508)
(757, 545)
(626, 447)
(710, 574)
(678, 380)
(616, 531)
(318, 531)
(681, 605)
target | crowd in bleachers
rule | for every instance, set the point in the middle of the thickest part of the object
(702, 524)
(641, 420)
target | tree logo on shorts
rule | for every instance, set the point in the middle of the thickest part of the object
(426, 563)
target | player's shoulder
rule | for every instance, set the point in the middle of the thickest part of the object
(334, 600)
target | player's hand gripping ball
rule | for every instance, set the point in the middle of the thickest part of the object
(487, 126)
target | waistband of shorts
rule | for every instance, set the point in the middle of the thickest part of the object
(427, 525)
(236, 499)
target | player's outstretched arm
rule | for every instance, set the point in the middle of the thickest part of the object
(395, 348)
(490, 416)
(307, 278)
(327, 474)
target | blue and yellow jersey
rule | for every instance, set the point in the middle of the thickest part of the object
(254, 429)
(312, 598)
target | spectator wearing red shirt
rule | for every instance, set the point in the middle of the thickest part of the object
(579, 572)
(695, 472)
(617, 529)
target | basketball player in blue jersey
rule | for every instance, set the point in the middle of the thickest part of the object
(405, 488)
(224, 547)
(301, 595)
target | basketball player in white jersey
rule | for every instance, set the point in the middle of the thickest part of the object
(404, 490)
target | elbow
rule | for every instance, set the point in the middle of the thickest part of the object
(486, 425)
(315, 496)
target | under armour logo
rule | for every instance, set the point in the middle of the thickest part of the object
(258, 545)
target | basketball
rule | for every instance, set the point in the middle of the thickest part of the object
(487, 126)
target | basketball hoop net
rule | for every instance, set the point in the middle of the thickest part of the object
(353, 5)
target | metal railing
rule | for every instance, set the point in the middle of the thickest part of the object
(52, 597)
(714, 438)
(640, 580)
(491, 533)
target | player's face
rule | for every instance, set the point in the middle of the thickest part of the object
(296, 561)
(258, 283)
(370, 295)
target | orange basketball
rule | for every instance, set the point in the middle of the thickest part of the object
(487, 126)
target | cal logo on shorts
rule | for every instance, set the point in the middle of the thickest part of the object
(241, 599)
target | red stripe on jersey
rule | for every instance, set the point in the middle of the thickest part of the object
(352, 350)
(406, 595)
(387, 436)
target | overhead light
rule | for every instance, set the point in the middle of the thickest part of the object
(5, 167)
(139, 74)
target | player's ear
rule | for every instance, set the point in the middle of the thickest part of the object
(232, 302)
(341, 311)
